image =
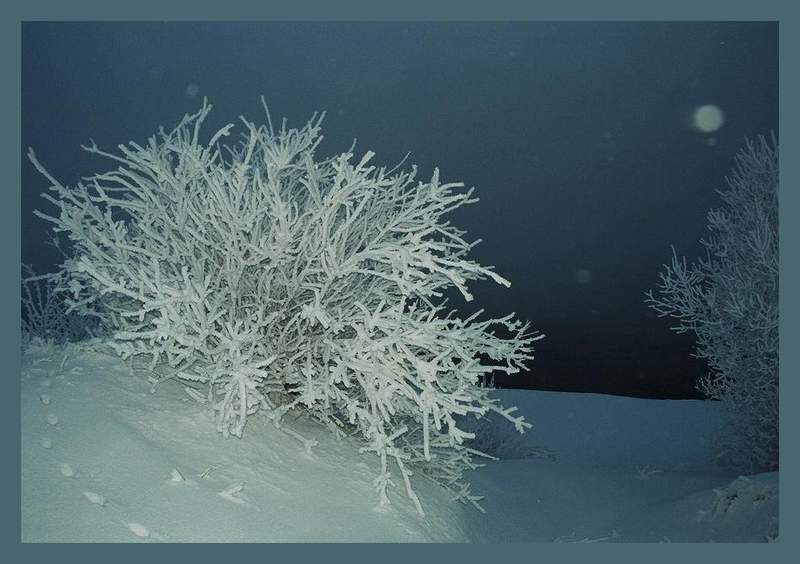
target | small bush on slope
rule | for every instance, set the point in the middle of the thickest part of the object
(279, 281)
(730, 301)
(43, 314)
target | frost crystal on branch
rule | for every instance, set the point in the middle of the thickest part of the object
(281, 281)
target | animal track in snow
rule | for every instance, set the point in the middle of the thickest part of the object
(46, 443)
(138, 529)
(234, 493)
(95, 498)
(178, 479)
(141, 531)
(45, 399)
(52, 419)
(231, 492)
(67, 471)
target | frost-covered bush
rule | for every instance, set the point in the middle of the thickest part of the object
(730, 301)
(278, 280)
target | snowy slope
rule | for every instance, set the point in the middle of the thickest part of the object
(104, 459)
(123, 443)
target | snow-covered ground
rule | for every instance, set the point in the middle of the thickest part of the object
(107, 459)
(616, 469)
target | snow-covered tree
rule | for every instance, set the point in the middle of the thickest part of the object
(729, 300)
(281, 281)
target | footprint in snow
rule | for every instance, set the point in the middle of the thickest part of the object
(143, 532)
(234, 493)
(138, 529)
(46, 443)
(177, 478)
(52, 419)
(95, 498)
(45, 399)
(67, 471)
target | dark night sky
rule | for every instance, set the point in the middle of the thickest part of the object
(576, 136)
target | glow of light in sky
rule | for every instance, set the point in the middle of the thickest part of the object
(708, 118)
(583, 276)
(192, 90)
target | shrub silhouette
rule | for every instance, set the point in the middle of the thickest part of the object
(729, 299)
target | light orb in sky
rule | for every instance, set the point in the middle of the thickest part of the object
(192, 90)
(708, 118)
(583, 276)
